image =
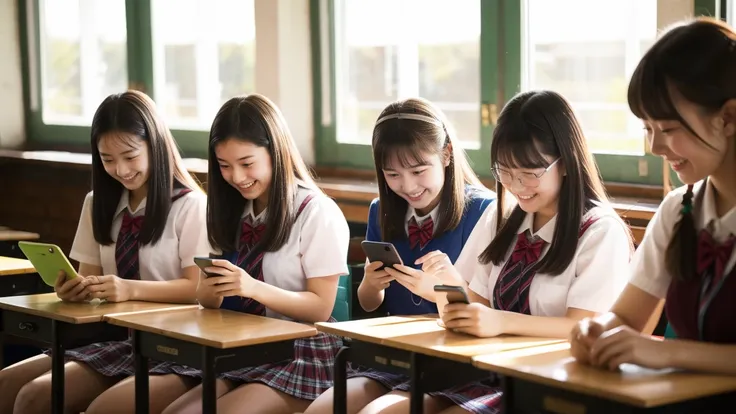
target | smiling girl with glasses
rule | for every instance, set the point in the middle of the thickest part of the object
(555, 255)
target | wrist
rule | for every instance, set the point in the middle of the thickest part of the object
(253, 291)
(131, 288)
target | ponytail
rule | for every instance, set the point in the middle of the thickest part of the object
(682, 249)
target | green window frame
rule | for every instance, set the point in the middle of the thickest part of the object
(500, 19)
(193, 143)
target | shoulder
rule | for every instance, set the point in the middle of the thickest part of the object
(603, 224)
(319, 204)
(671, 206)
(88, 199)
(479, 198)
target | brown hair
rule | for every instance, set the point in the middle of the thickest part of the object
(424, 130)
(697, 59)
(532, 124)
(255, 119)
(134, 113)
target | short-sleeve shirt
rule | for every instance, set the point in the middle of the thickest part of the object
(184, 237)
(316, 247)
(593, 281)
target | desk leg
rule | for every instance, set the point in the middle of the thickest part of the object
(57, 368)
(209, 397)
(340, 395)
(416, 403)
(507, 397)
(141, 376)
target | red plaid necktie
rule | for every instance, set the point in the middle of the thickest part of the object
(713, 256)
(511, 292)
(127, 246)
(420, 235)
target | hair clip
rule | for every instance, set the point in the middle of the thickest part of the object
(687, 209)
(414, 117)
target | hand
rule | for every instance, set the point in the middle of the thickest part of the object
(376, 279)
(439, 265)
(582, 337)
(625, 345)
(474, 319)
(232, 280)
(109, 287)
(72, 290)
(416, 281)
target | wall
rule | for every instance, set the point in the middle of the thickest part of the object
(12, 126)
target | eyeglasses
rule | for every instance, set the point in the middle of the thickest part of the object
(526, 179)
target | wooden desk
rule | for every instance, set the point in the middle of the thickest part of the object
(11, 266)
(548, 379)
(16, 235)
(46, 320)
(212, 340)
(433, 357)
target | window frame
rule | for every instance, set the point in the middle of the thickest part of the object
(41, 135)
(495, 89)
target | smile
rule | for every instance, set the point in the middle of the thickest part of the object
(246, 186)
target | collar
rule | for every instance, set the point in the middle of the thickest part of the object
(721, 227)
(124, 203)
(411, 212)
(545, 233)
(248, 212)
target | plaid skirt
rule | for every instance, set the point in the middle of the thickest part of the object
(306, 376)
(479, 397)
(111, 359)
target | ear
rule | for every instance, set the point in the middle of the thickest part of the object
(728, 118)
(448, 154)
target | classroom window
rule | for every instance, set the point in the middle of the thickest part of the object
(83, 57)
(730, 12)
(190, 56)
(470, 57)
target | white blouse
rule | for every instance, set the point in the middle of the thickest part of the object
(593, 281)
(183, 238)
(649, 272)
(317, 246)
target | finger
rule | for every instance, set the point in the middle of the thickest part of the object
(377, 274)
(104, 279)
(223, 263)
(396, 274)
(455, 307)
(217, 270)
(228, 293)
(384, 279)
(98, 295)
(460, 314)
(372, 266)
(224, 287)
(433, 267)
(459, 323)
(60, 279)
(614, 364)
(408, 270)
(601, 356)
(100, 287)
(76, 290)
(406, 281)
(595, 329)
(431, 256)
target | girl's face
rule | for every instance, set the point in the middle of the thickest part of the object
(125, 158)
(419, 183)
(246, 167)
(536, 189)
(693, 157)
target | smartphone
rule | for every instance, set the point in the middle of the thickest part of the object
(455, 294)
(205, 262)
(48, 259)
(381, 252)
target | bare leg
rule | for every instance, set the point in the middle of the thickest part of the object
(83, 384)
(163, 390)
(191, 401)
(360, 392)
(260, 399)
(454, 410)
(397, 402)
(14, 377)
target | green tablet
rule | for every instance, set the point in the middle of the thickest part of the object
(48, 259)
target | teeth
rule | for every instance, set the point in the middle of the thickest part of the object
(415, 195)
(250, 184)
(677, 163)
(526, 197)
(129, 177)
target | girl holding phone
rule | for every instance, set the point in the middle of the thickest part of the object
(139, 231)
(429, 201)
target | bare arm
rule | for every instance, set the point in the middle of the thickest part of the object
(206, 295)
(180, 290)
(372, 288)
(313, 305)
(635, 308)
(543, 326)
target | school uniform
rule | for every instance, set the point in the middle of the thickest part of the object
(593, 281)
(317, 247)
(700, 309)
(420, 240)
(184, 237)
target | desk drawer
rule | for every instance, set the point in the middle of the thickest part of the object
(26, 326)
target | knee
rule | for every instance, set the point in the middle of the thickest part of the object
(323, 404)
(181, 406)
(33, 397)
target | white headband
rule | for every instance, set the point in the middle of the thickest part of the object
(415, 117)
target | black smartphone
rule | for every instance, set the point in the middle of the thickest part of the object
(455, 294)
(381, 252)
(203, 263)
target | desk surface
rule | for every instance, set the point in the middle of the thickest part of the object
(552, 365)
(11, 266)
(423, 335)
(48, 305)
(16, 235)
(214, 327)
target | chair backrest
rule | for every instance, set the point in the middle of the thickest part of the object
(669, 332)
(341, 311)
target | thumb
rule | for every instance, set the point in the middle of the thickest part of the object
(595, 329)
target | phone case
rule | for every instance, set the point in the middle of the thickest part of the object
(48, 259)
(202, 263)
(381, 252)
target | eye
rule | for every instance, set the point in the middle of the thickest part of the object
(669, 130)
(106, 161)
(420, 172)
(391, 175)
(247, 165)
(131, 158)
(224, 167)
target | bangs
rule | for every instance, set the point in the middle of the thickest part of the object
(514, 146)
(649, 95)
(395, 143)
